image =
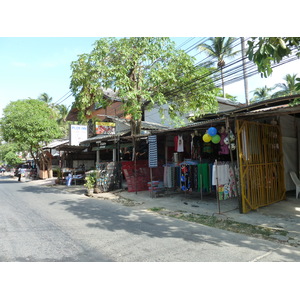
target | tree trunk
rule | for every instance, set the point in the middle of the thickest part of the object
(35, 158)
(222, 78)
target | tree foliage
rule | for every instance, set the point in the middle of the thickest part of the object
(46, 98)
(144, 72)
(261, 94)
(264, 51)
(219, 48)
(8, 152)
(29, 124)
(289, 87)
(62, 113)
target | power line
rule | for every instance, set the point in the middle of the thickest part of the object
(232, 71)
(58, 103)
(184, 43)
(62, 99)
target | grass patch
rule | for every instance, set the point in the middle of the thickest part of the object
(226, 224)
(156, 209)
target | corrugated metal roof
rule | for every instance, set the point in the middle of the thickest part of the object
(71, 148)
(104, 137)
(56, 143)
(144, 125)
(252, 107)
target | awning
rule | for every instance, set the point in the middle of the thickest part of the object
(70, 148)
(56, 143)
(111, 146)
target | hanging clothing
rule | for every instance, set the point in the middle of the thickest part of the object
(180, 147)
(178, 143)
(224, 149)
(207, 147)
(175, 143)
(203, 177)
(169, 174)
(220, 174)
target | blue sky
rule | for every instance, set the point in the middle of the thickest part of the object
(30, 66)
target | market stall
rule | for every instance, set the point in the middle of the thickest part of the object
(202, 160)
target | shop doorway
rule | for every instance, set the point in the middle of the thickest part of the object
(260, 163)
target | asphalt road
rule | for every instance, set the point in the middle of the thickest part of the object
(43, 224)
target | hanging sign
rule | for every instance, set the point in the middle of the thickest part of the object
(105, 128)
(152, 156)
(78, 133)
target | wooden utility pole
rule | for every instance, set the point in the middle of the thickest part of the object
(244, 70)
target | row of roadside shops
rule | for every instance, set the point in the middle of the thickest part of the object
(245, 154)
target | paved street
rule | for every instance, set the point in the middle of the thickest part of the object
(46, 224)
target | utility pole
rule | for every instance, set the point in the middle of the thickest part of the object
(244, 70)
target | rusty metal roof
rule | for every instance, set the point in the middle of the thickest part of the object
(254, 108)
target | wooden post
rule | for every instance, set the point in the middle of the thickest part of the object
(134, 157)
(217, 187)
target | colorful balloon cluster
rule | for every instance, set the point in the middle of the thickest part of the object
(211, 135)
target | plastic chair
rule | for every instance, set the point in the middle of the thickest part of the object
(296, 181)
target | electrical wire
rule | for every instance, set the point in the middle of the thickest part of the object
(184, 43)
(58, 102)
(62, 97)
(233, 71)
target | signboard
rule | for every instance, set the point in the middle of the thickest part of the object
(152, 158)
(78, 133)
(105, 128)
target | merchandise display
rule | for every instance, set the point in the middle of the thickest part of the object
(207, 168)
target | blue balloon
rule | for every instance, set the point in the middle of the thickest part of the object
(212, 131)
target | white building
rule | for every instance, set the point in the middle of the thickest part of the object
(154, 116)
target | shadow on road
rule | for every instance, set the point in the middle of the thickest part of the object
(8, 179)
(114, 217)
(101, 214)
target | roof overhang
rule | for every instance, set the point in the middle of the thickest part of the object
(255, 107)
(56, 143)
(69, 148)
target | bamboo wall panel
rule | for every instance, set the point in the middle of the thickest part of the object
(261, 164)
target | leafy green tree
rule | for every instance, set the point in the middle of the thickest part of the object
(264, 51)
(30, 124)
(219, 48)
(144, 71)
(287, 88)
(8, 153)
(12, 159)
(227, 96)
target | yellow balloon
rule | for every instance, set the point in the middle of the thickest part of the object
(206, 138)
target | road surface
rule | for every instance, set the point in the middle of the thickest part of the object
(43, 224)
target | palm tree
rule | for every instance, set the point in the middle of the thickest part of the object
(261, 94)
(45, 97)
(63, 112)
(287, 88)
(219, 48)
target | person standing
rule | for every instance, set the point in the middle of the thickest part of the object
(19, 174)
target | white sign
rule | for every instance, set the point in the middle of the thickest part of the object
(78, 133)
